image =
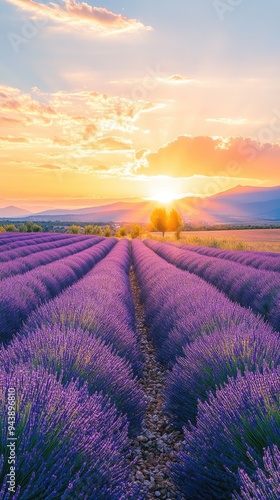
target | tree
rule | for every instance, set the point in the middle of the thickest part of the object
(107, 232)
(175, 222)
(121, 232)
(88, 229)
(10, 228)
(22, 228)
(97, 230)
(36, 228)
(29, 227)
(74, 229)
(2, 230)
(159, 220)
(136, 231)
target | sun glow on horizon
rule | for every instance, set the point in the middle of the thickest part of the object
(165, 196)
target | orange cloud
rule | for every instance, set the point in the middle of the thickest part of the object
(14, 139)
(48, 166)
(207, 156)
(110, 144)
(74, 132)
(178, 79)
(23, 109)
(72, 13)
(61, 142)
(142, 153)
(75, 117)
(228, 121)
(89, 132)
(9, 121)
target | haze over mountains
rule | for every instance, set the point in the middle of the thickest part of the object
(14, 212)
(242, 204)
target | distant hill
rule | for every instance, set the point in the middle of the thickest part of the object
(12, 212)
(248, 194)
(243, 204)
(115, 212)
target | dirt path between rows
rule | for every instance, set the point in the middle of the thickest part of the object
(158, 442)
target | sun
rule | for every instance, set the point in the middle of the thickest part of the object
(165, 197)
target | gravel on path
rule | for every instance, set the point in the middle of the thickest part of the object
(158, 442)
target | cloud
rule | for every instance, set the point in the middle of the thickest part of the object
(110, 144)
(14, 139)
(70, 131)
(48, 166)
(178, 79)
(207, 156)
(81, 15)
(89, 132)
(61, 142)
(75, 117)
(22, 109)
(142, 153)
(9, 121)
(154, 74)
(228, 121)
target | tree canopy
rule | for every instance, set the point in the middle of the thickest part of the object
(159, 220)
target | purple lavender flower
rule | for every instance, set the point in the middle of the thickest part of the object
(68, 445)
(210, 360)
(14, 240)
(21, 245)
(253, 288)
(24, 259)
(73, 354)
(101, 304)
(266, 482)
(180, 306)
(259, 260)
(20, 295)
(232, 428)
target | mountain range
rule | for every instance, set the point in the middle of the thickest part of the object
(242, 204)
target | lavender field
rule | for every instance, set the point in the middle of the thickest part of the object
(138, 370)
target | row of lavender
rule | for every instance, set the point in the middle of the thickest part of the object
(28, 239)
(260, 260)
(223, 388)
(75, 366)
(28, 247)
(253, 288)
(21, 294)
(43, 254)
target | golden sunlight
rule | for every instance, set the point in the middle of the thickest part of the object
(166, 196)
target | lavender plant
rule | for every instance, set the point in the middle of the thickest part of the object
(41, 256)
(68, 445)
(210, 360)
(266, 482)
(101, 304)
(259, 290)
(260, 260)
(180, 306)
(73, 354)
(233, 427)
(20, 295)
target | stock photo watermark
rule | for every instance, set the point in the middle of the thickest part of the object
(11, 439)
(29, 30)
(224, 7)
(151, 81)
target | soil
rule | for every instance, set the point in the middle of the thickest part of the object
(158, 442)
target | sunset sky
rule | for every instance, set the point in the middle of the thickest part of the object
(127, 98)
